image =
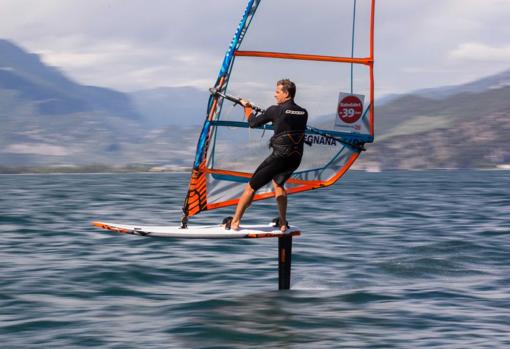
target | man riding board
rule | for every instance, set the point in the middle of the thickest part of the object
(289, 124)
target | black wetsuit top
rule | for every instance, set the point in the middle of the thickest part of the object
(289, 124)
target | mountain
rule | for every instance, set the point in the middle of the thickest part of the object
(24, 79)
(412, 113)
(491, 82)
(164, 106)
(470, 144)
(467, 130)
(49, 120)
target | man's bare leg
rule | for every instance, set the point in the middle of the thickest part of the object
(244, 201)
(281, 200)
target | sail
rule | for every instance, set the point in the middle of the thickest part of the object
(326, 48)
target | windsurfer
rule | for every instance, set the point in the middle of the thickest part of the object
(289, 124)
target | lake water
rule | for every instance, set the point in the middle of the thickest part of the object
(386, 260)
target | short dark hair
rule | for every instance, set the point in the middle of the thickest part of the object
(287, 86)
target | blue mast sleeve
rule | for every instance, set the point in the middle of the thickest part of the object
(225, 70)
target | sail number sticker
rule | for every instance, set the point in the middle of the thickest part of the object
(349, 110)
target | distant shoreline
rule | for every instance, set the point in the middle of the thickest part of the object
(91, 169)
(103, 169)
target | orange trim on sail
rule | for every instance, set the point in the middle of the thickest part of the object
(229, 173)
(303, 185)
(196, 199)
(197, 195)
(262, 196)
(344, 169)
(249, 175)
(304, 57)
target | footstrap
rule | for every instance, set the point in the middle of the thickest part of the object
(276, 223)
(227, 222)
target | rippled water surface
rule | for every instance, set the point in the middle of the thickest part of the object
(386, 260)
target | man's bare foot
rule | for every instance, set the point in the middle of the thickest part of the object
(283, 227)
(234, 225)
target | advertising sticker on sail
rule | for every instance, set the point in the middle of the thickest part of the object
(349, 111)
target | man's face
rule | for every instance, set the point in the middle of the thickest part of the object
(280, 95)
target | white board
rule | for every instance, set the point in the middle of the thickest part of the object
(200, 232)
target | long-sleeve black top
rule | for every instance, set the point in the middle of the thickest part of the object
(286, 117)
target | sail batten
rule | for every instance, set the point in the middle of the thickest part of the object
(304, 57)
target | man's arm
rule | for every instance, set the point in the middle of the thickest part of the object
(264, 118)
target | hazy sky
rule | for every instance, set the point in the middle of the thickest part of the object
(137, 44)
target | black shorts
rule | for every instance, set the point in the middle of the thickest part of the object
(274, 168)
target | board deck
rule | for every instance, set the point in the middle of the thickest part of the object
(200, 232)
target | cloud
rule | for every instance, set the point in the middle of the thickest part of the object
(71, 60)
(37, 149)
(135, 44)
(130, 65)
(473, 51)
(125, 44)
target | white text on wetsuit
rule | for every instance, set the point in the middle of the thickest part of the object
(294, 112)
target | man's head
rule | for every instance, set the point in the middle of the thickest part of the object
(285, 90)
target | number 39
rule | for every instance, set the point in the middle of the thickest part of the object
(348, 112)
